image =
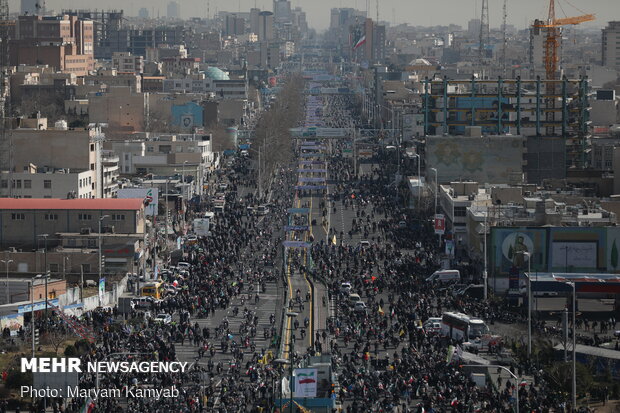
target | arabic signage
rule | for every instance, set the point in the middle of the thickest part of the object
(296, 244)
(296, 228)
(309, 187)
(38, 306)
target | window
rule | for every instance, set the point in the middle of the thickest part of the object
(118, 217)
(85, 268)
(92, 166)
(92, 147)
(27, 183)
(4, 183)
(51, 217)
(53, 267)
(149, 149)
(47, 184)
(460, 211)
(17, 183)
(18, 216)
(85, 217)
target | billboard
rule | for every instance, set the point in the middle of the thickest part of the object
(14, 322)
(556, 249)
(101, 290)
(149, 194)
(481, 159)
(305, 382)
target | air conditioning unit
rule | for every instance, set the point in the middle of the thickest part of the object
(85, 231)
(109, 229)
(12, 249)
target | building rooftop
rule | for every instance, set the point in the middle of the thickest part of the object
(132, 204)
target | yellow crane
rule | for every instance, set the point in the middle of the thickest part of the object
(553, 35)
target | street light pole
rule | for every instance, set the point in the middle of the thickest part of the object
(485, 271)
(574, 384)
(291, 349)
(101, 218)
(529, 303)
(417, 155)
(8, 295)
(32, 307)
(45, 269)
(436, 189)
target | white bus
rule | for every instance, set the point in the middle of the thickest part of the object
(459, 326)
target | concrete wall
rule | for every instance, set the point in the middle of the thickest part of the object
(53, 147)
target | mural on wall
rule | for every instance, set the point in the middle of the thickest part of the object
(556, 249)
(483, 159)
(510, 246)
(188, 116)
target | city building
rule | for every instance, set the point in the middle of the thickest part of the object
(125, 62)
(48, 183)
(265, 26)
(611, 45)
(173, 10)
(64, 42)
(32, 7)
(23, 221)
(59, 148)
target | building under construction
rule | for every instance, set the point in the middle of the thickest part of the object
(552, 114)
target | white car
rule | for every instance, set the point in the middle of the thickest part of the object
(163, 318)
(360, 307)
(345, 288)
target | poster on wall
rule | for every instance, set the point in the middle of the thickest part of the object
(513, 247)
(14, 322)
(149, 195)
(305, 382)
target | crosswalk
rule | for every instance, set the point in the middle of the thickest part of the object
(263, 309)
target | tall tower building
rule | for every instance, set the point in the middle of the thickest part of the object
(611, 45)
(174, 10)
(32, 7)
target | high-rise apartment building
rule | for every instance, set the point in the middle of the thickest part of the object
(174, 10)
(611, 45)
(62, 42)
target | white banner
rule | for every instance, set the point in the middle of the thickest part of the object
(150, 194)
(574, 254)
(305, 382)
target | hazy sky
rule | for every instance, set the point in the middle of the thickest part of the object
(415, 12)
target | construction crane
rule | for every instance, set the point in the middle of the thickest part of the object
(553, 25)
(552, 57)
(5, 142)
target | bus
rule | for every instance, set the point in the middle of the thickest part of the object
(459, 326)
(153, 289)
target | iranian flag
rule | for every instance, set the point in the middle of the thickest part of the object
(360, 42)
(88, 407)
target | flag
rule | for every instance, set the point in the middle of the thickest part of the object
(359, 42)
(88, 407)
(450, 355)
(381, 312)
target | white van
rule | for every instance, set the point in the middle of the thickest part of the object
(445, 276)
